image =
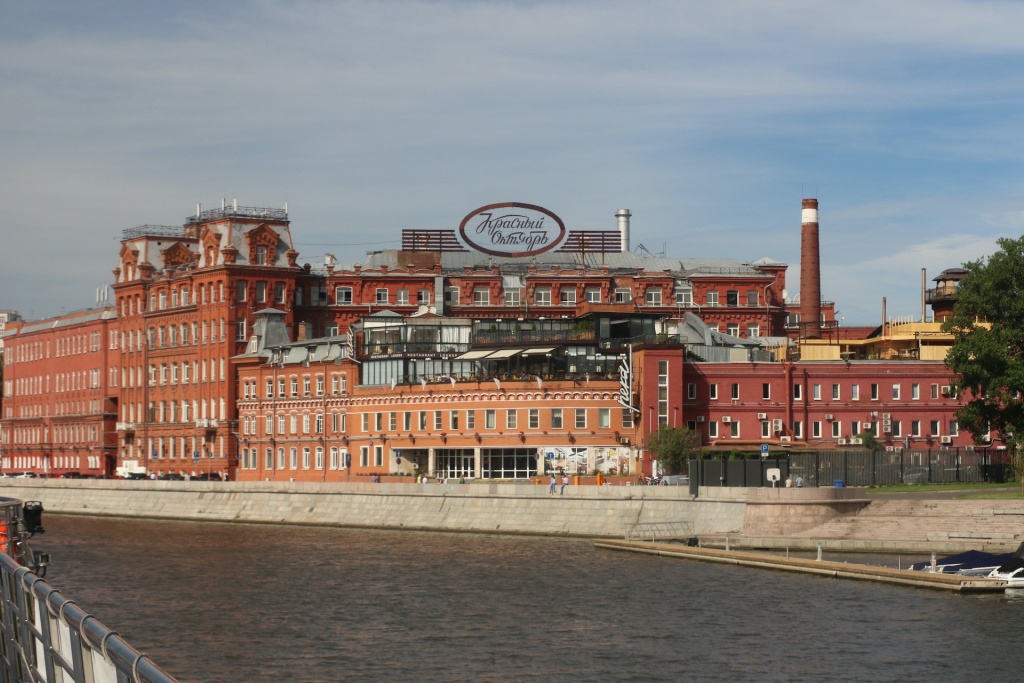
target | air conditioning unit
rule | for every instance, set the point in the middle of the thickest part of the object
(829, 417)
(946, 439)
(857, 441)
(776, 426)
(890, 449)
(700, 418)
(624, 440)
(946, 390)
(887, 427)
(762, 416)
(886, 417)
(726, 419)
(898, 449)
(841, 442)
(786, 439)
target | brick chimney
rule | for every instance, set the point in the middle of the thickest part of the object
(810, 272)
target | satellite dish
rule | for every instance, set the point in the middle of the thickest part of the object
(785, 294)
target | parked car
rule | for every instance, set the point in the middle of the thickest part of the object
(72, 475)
(136, 475)
(171, 476)
(208, 476)
(26, 475)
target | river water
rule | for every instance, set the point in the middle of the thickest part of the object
(240, 603)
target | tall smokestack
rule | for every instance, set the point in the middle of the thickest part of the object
(623, 217)
(810, 271)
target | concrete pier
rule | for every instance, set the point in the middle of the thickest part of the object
(836, 570)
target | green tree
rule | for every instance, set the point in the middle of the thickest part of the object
(673, 447)
(988, 348)
(868, 441)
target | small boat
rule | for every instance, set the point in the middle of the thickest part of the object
(970, 563)
(1012, 571)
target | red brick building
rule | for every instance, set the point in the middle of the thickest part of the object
(61, 384)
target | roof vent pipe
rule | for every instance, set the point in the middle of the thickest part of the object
(623, 215)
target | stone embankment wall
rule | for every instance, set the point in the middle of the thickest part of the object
(477, 507)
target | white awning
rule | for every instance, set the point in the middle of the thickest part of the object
(537, 352)
(472, 355)
(504, 353)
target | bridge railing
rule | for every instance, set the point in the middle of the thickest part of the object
(47, 637)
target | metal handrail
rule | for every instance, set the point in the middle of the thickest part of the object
(659, 530)
(43, 632)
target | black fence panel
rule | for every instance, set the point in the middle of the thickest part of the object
(856, 468)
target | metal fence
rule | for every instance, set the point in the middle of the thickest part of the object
(46, 637)
(855, 468)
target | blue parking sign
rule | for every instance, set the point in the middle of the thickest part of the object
(764, 449)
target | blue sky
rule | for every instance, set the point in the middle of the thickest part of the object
(709, 121)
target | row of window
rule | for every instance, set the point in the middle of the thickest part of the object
(454, 420)
(339, 385)
(338, 458)
(878, 429)
(874, 392)
(542, 296)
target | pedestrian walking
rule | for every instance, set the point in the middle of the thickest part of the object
(565, 482)
(554, 483)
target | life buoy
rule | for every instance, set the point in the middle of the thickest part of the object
(3, 538)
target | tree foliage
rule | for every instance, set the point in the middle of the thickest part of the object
(988, 349)
(673, 447)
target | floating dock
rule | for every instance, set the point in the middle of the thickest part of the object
(836, 570)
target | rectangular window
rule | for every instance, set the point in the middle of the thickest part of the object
(711, 298)
(453, 420)
(593, 295)
(534, 418)
(732, 329)
(382, 295)
(732, 298)
(691, 391)
(567, 297)
(915, 428)
(513, 297)
(490, 419)
(653, 297)
(364, 456)
(874, 392)
(734, 391)
(915, 391)
(542, 296)
(470, 419)
(816, 430)
(798, 392)
(835, 392)
(581, 418)
(438, 425)
(935, 391)
(627, 418)
(240, 290)
(734, 429)
(798, 429)
(403, 297)
(278, 292)
(855, 392)
(378, 456)
(451, 296)
(713, 392)
(753, 330)
(895, 392)
(623, 295)
(897, 429)
(423, 297)
(816, 390)
(713, 430)
(343, 296)
(837, 429)
(752, 297)
(766, 391)
(766, 429)
(556, 418)
(511, 419)
(684, 297)
(481, 297)
(261, 292)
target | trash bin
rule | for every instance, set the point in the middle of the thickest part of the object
(576, 480)
(600, 479)
(838, 483)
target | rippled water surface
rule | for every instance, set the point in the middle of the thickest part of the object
(222, 602)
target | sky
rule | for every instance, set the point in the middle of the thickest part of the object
(709, 121)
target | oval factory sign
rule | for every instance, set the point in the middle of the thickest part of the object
(512, 229)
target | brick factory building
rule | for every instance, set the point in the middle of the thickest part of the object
(499, 350)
